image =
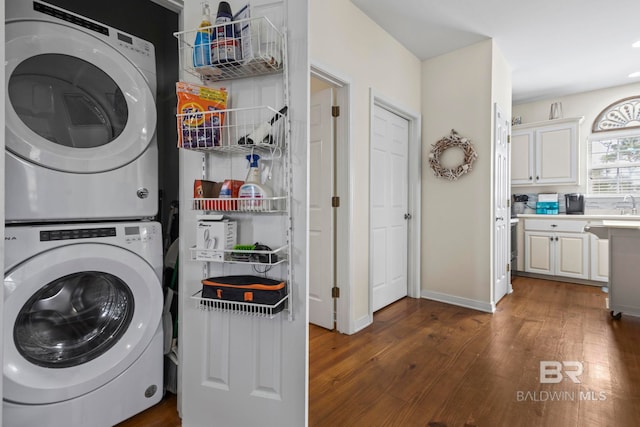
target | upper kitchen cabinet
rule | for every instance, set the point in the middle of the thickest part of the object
(545, 153)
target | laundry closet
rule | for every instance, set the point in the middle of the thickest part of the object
(83, 299)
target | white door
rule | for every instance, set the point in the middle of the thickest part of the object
(388, 197)
(502, 226)
(320, 211)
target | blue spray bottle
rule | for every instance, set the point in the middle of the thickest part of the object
(202, 44)
(253, 187)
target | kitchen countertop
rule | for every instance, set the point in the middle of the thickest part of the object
(587, 217)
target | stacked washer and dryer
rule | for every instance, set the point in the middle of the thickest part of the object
(83, 341)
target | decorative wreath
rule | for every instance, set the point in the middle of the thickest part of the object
(452, 141)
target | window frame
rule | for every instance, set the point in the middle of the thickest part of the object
(631, 132)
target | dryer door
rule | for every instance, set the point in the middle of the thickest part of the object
(76, 317)
(74, 103)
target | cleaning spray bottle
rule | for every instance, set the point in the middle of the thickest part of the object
(202, 43)
(253, 187)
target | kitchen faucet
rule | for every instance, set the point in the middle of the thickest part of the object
(634, 211)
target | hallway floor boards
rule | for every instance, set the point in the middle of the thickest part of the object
(424, 363)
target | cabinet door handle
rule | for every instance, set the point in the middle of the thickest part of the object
(551, 238)
(556, 238)
(554, 225)
(530, 178)
(537, 177)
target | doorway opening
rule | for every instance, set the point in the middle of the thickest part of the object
(325, 308)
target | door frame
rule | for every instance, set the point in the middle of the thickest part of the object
(414, 200)
(344, 183)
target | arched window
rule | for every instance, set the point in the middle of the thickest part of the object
(614, 149)
(622, 114)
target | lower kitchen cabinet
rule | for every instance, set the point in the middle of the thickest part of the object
(599, 259)
(561, 247)
(557, 254)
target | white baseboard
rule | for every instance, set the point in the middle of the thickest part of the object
(459, 301)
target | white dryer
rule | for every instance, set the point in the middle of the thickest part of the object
(80, 118)
(83, 341)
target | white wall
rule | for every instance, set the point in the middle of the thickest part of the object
(458, 92)
(587, 104)
(345, 41)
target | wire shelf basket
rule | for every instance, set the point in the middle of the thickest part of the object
(255, 49)
(254, 257)
(233, 130)
(240, 308)
(250, 205)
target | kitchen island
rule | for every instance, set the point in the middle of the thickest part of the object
(624, 261)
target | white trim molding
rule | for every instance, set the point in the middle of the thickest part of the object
(459, 301)
(345, 323)
(173, 5)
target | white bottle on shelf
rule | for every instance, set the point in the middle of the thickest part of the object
(253, 187)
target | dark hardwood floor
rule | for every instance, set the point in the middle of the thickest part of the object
(424, 363)
(164, 414)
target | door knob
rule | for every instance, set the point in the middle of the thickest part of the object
(407, 216)
(499, 218)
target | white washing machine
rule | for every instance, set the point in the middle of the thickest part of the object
(80, 118)
(83, 341)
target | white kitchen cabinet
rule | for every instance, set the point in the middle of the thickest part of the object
(522, 156)
(599, 249)
(545, 153)
(564, 252)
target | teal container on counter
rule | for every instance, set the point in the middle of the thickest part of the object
(547, 208)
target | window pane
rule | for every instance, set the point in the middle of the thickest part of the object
(622, 156)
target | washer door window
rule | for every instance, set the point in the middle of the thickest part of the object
(75, 104)
(81, 314)
(74, 319)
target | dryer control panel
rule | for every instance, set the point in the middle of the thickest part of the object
(126, 42)
(80, 233)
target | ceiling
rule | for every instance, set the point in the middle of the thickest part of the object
(554, 47)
